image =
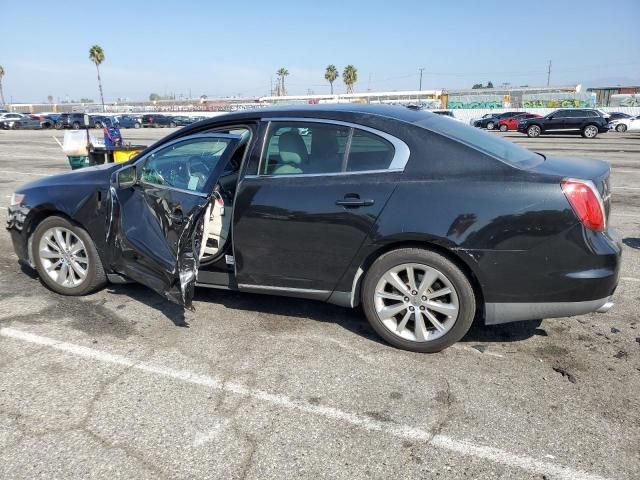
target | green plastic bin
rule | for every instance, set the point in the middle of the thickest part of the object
(78, 161)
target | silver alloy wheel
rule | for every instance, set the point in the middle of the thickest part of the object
(621, 127)
(416, 302)
(63, 256)
(590, 131)
(490, 126)
(534, 131)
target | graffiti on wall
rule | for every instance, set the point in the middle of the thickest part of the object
(558, 103)
(539, 100)
(454, 104)
(625, 100)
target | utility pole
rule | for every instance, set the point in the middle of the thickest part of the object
(421, 69)
(548, 73)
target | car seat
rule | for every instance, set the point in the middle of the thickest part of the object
(293, 153)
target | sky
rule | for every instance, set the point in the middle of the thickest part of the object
(219, 48)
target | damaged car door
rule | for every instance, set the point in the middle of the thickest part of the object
(155, 226)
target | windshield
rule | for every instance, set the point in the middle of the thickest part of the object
(493, 145)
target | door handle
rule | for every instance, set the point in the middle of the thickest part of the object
(355, 202)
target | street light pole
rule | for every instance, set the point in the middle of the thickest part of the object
(421, 69)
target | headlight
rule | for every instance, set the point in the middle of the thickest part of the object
(16, 199)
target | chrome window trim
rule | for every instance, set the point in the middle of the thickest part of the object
(398, 163)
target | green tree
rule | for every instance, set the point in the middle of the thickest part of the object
(1, 90)
(96, 55)
(476, 86)
(282, 72)
(330, 75)
(489, 84)
(349, 77)
(154, 97)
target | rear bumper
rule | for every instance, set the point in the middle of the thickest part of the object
(496, 313)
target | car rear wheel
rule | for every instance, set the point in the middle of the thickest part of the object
(66, 258)
(503, 128)
(76, 125)
(59, 126)
(491, 126)
(418, 300)
(621, 128)
(136, 125)
(98, 125)
(534, 131)
(590, 131)
(172, 124)
(17, 126)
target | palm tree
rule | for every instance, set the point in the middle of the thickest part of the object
(2, 102)
(282, 72)
(330, 75)
(349, 77)
(96, 55)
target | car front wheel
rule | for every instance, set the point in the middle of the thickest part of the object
(66, 258)
(418, 300)
(534, 131)
(590, 131)
(621, 128)
(503, 128)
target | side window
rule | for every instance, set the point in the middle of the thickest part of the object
(298, 147)
(369, 152)
(560, 114)
(185, 165)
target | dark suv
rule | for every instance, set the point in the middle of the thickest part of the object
(71, 120)
(587, 122)
(157, 121)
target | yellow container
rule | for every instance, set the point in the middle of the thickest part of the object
(124, 154)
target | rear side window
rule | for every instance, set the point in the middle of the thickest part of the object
(492, 145)
(295, 148)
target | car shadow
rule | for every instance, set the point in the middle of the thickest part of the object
(632, 242)
(352, 320)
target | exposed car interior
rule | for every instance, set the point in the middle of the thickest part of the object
(313, 148)
(217, 218)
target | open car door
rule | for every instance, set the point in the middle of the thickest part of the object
(157, 207)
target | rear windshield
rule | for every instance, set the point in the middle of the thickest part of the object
(488, 143)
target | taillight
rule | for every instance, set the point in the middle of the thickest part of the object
(586, 203)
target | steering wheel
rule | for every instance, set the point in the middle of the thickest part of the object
(197, 167)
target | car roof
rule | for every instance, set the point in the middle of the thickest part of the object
(337, 111)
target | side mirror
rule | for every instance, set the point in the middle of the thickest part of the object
(127, 177)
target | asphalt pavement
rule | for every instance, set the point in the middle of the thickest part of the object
(123, 384)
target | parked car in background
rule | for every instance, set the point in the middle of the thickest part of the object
(72, 120)
(244, 202)
(182, 120)
(17, 121)
(128, 121)
(99, 121)
(477, 122)
(618, 116)
(587, 122)
(511, 123)
(631, 124)
(155, 120)
(491, 123)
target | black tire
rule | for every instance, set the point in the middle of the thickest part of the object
(96, 277)
(98, 125)
(172, 125)
(504, 128)
(59, 126)
(534, 131)
(461, 284)
(136, 125)
(621, 127)
(17, 126)
(76, 126)
(589, 131)
(491, 125)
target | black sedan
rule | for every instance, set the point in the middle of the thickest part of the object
(427, 223)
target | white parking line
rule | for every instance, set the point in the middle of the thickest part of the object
(626, 188)
(632, 215)
(461, 447)
(630, 279)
